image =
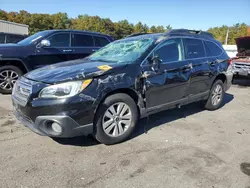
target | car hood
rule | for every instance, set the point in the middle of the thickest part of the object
(243, 44)
(10, 45)
(72, 70)
(11, 50)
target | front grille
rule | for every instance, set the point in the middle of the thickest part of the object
(241, 66)
(22, 91)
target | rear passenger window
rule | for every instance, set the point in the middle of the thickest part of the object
(80, 40)
(194, 48)
(59, 40)
(100, 41)
(212, 49)
(170, 51)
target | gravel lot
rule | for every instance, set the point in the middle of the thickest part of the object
(186, 147)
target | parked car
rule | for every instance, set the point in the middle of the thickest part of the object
(45, 48)
(106, 93)
(11, 38)
(241, 63)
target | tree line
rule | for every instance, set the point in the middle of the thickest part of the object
(38, 22)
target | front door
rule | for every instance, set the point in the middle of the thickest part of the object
(170, 83)
(58, 51)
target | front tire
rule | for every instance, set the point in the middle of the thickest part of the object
(216, 96)
(8, 77)
(115, 119)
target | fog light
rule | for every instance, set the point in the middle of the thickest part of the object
(56, 127)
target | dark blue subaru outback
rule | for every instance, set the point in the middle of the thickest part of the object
(107, 92)
(45, 48)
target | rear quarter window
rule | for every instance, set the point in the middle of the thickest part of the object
(193, 48)
(212, 49)
(100, 41)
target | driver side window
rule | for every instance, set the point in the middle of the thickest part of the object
(170, 51)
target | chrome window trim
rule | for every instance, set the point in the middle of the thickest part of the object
(92, 35)
(75, 32)
(183, 37)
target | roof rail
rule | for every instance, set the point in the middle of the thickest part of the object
(189, 32)
(136, 34)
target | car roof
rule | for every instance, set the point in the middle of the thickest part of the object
(78, 31)
(172, 33)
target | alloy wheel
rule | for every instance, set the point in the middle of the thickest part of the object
(117, 119)
(217, 94)
(7, 79)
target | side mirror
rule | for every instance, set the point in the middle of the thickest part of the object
(155, 63)
(45, 43)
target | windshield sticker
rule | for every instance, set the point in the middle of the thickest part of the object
(104, 67)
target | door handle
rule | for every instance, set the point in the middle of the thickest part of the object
(212, 63)
(146, 74)
(67, 50)
(187, 67)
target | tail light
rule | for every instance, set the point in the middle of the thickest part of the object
(230, 61)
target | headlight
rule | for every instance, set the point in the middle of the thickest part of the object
(64, 90)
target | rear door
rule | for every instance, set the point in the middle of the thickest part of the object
(82, 45)
(200, 74)
(214, 56)
(58, 50)
(170, 83)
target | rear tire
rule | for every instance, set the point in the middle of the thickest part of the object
(116, 119)
(8, 76)
(216, 96)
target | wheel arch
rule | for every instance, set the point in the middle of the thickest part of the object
(130, 92)
(221, 77)
(15, 62)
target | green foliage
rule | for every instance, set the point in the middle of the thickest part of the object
(3, 15)
(123, 28)
(237, 30)
(120, 29)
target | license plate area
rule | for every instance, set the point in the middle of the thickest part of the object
(21, 93)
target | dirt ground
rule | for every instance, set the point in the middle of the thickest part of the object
(187, 147)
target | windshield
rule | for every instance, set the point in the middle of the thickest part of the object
(122, 51)
(33, 38)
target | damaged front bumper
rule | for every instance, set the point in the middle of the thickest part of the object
(43, 125)
(56, 118)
